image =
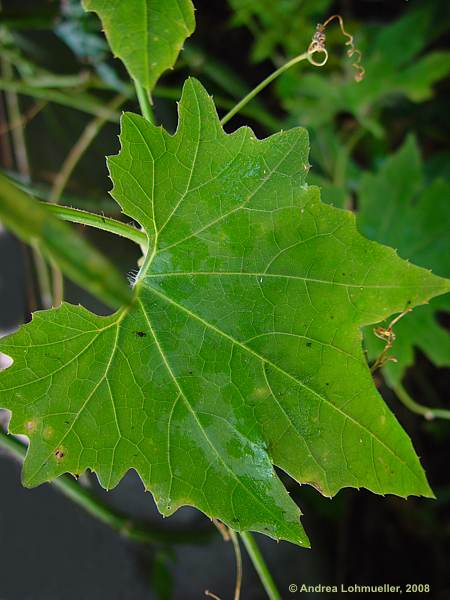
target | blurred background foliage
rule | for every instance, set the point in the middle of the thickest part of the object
(379, 147)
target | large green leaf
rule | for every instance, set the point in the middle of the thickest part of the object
(398, 208)
(147, 35)
(242, 348)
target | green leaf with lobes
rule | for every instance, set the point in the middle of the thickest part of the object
(147, 35)
(414, 219)
(242, 348)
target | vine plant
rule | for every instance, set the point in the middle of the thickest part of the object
(239, 346)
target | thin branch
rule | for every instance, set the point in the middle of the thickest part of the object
(23, 166)
(237, 554)
(25, 118)
(83, 102)
(72, 159)
(88, 135)
(212, 595)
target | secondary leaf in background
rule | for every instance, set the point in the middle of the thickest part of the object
(80, 32)
(242, 347)
(330, 193)
(74, 255)
(289, 24)
(398, 208)
(147, 35)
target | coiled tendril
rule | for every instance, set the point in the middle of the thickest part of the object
(318, 45)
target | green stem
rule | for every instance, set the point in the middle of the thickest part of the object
(420, 409)
(80, 147)
(256, 113)
(260, 565)
(41, 191)
(133, 530)
(23, 166)
(83, 102)
(144, 102)
(255, 91)
(83, 217)
(229, 82)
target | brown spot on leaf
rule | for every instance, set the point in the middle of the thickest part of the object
(59, 454)
(31, 425)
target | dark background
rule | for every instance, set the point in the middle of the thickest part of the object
(51, 549)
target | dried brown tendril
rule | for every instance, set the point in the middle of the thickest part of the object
(318, 45)
(387, 335)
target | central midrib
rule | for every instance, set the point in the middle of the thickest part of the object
(194, 414)
(281, 370)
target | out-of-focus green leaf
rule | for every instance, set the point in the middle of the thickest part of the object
(58, 241)
(81, 33)
(286, 24)
(398, 208)
(241, 350)
(147, 35)
(437, 165)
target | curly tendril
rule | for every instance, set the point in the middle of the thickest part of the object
(318, 45)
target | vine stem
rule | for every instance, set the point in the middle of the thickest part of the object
(144, 102)
(91, 106)
(260, 565)
(83, 217)
(420, 409)
(83, 102)
(78, 150)
(127, 527)
(23, 166)
(265, 82)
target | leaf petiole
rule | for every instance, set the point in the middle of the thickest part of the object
(255, 91)
(144, 102)
(260, 565)
(426, 411)
(83, 217)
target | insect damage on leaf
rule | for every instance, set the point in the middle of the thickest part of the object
(241, 350)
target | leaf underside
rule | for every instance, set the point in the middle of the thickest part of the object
(147, 35)
(415, 219)
(242, 347)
